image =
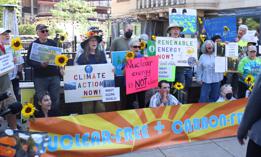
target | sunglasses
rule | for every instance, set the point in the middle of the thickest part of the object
(136, 47)
(44, 31)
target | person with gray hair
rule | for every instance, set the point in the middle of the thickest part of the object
(226, 93)
(132, 103)
(206, 75)
(242, 30)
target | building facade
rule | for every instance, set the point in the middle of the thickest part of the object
(153, 14)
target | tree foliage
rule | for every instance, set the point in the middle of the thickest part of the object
(2, 8)
(73, 10)
(26, 29)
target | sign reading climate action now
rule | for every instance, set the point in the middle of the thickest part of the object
(111, 133)
(84, 82)
(176, 51)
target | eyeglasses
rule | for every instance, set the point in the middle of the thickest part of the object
(44, 31)
(136, 47)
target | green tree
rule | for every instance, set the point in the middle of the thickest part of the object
(26, 29)
(73, 11)
(252, 23)
(15, 2)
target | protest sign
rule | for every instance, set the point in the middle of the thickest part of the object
(220, 64)
(110, 94)
(187, 18)
(226, 27)
(111, 133)
(84, 82)
(6, 63)
(151, 48)
(176, 51)
(167, 73)
(117, 58)
(141, 74)
(44, 53)
(231, 49)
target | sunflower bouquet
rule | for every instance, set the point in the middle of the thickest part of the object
(249, 81)
(61, 60)
(27, 112)
(16, 44)
(179, 89)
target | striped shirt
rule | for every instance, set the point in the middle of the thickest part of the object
(155, 100)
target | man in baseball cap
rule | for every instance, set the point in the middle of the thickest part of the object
(40, 27)
(3, 30)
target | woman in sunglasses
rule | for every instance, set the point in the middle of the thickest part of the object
(135, 100)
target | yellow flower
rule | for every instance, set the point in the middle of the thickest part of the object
(28, 110)
(130, 55)
(249, 79)
(251, 87)
(61, 60)
(226, 29)
(142, 45)
(16, 44)
(178, 86)
(153, 37)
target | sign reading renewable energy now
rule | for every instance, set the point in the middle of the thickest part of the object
(119, 132)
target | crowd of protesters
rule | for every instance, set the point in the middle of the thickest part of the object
(214, 87)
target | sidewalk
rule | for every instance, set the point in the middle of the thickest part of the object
(225, 147)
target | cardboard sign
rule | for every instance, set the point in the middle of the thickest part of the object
(226, 27)
(44, 53)
(110, 94)
(117, 58)
(141, 74)
(176, 51)
(231, 49)
(111, 133)
(167, 73)
(84, 82)
(6, 63)
(187, 18)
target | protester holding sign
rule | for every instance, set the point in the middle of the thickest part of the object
(92, 55)
(249, 65)
(163, 97)
(183, 74)
(131, 98)
(206, 74)
(46, 77)
(5, 83)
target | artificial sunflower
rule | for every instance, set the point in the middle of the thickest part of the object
(142, 45)
(153, 37)
(16, 44)
(178, 86)
(251, 87)
(28, 110)
(226, 29)
(61, 60)
(249, 79)
(130, 55)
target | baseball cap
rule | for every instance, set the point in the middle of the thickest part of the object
(252, 48)
(41, 27)
(3, 30)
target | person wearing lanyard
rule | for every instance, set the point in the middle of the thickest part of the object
(6, 84)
